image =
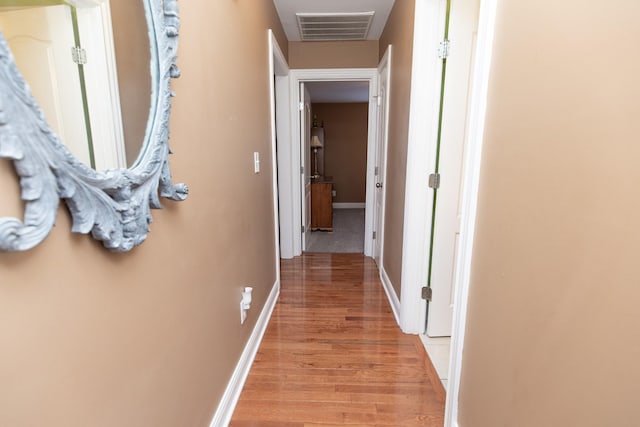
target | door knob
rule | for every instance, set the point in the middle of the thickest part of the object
(378, 185)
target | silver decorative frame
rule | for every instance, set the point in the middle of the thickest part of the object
(115, 205)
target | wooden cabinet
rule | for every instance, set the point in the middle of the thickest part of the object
(321, 205)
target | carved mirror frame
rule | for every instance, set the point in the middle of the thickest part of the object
(114, 205)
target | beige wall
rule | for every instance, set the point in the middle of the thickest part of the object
(345, 148)
(399, 33)
(552, 328)
(151, 337)
(343, 54)
(131, 43)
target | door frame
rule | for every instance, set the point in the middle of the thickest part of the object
(279, 119)
(304, 117)
(292, 195)
(470, 189)
(425, 91)
(382, 143)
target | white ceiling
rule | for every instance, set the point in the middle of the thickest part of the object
(328, 92)
(341, 92)
(287, 10)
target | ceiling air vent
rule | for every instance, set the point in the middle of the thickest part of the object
(334, 26)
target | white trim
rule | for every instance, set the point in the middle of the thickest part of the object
(336, 74)
(471, 178)
(277, 65)
(349, 205)
(229, 400)
(285, 178)
(386, 61)
(292, 168)
(421, 152)
(370, 186)
(282, 186)
(394, 302)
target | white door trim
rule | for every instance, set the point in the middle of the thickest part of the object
(279, 69)
(284, 142)
(470, 186)
(382, 142)
(293, 167)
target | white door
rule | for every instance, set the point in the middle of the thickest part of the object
(305, 162)
(382, 100)
(40, 39)
(462, 34)
(101, 80)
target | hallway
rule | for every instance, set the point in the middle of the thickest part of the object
(347, 235)
(334, 355)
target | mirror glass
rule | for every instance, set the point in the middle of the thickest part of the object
(87, 63)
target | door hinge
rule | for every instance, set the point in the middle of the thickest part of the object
(302, 170)
(375, 235)
(427, 293)
(302, 228)
(444, 47)
(434, 180)
(78, 55)
(375, 171)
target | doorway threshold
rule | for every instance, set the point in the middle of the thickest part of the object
(438, 349)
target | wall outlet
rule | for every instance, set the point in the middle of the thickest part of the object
(243, 314)
(245, 303)
(333, 193)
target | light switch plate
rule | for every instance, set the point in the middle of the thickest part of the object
(256, 162)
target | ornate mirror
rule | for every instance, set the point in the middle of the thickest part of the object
(84, 115)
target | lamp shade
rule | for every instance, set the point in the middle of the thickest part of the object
(315, 142)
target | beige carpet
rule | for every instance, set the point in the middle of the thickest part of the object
(347, 235)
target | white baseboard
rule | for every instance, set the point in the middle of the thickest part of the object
(349, 205)
(391, 294)
(231, 395)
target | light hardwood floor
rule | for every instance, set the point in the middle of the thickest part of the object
(334, 355)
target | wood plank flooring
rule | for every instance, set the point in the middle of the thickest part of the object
(334, 355)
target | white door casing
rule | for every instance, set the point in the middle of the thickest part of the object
(382, 103)
(305, 162)
(293, 169)
(278, 91)
(471, 178)
(463, 27)
(287, 224)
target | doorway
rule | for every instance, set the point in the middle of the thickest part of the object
(291, 166)
(453, 76)
(339, 133)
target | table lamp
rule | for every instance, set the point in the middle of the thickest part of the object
(315, 144)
